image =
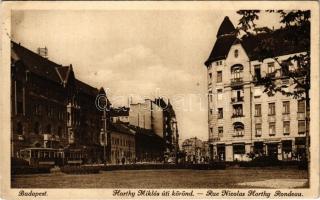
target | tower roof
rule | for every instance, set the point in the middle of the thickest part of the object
(226, 27)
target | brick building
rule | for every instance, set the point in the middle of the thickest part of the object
(51, 108)
(243, 119)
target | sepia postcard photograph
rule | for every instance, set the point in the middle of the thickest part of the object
(159, 100)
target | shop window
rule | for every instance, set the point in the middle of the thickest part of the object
(287, 149)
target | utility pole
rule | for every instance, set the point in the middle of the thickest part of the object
(105, 136)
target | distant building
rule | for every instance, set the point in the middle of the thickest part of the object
(243, 119)
(120, 114)
(195, 150)
(122, 143)
(159, 117)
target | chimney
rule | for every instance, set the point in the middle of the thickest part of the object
(43, 52)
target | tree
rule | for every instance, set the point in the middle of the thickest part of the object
(295, 26)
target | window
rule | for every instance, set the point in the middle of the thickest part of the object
(257, 92)
(19, 107)
(286, 107)
(36, 128)
(258, 129)
(219, 76)
(301, 106)
(220, 113)
(301, 126)
(257, 110)
(220, 94)
(217, 63)
(59, 131)
(211, 130)
(272, 109)
(257, 72)
(19, 128)
(48, 128)
(272, 128)
(271, 68)
(211, 111)
(220, 131)
(220, 62)
(210, 95)
(236, 53)
(284, 70)
(210, 76)
(286, 127)
(237, 110)
(239, 149)
(237, 73)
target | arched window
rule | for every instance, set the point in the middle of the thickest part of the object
(238, 128)
(236, 72)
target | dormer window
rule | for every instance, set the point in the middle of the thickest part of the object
(236, 53)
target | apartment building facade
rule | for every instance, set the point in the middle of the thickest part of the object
(242, 119)
(51, 108)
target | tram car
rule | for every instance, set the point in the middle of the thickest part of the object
(51, 156)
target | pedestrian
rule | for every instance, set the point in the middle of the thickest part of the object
(123, 160)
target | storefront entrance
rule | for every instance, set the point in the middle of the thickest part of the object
(273, 150)
(287, 150)
(221, 152)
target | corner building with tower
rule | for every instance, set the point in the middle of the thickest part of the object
(242, 119)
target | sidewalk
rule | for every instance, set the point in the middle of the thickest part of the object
(277, 183)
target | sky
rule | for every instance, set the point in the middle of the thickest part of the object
(137, 53)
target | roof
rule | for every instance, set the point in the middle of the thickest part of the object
(122, 128)
(86, 89)
(63, 73)
(122, 111)
(36, 63)
(283, 39)
(226, 27)
(221, 48)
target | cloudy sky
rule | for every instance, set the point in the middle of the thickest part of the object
(144, 54)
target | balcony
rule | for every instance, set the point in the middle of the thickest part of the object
(236, 99)
(237, 115)
(236, 81)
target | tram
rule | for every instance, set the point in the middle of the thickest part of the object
(51, 156)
